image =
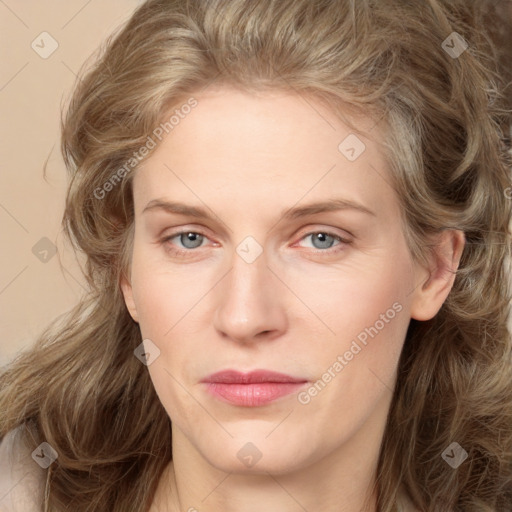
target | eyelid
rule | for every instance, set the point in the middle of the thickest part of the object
(200, 231)
(346, 236)
(172, 232)
(330, 251)
(182, 231)
(343, 241)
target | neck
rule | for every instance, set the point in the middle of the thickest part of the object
(339, 481)
(273, 493)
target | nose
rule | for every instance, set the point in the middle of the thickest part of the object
(249, 306)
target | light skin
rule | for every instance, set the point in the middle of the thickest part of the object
(246, 159)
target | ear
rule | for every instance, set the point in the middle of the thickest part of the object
(433, 283)
(127, 290)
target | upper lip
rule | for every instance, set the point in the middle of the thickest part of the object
(256, 376)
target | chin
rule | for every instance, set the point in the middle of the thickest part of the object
(257, 454)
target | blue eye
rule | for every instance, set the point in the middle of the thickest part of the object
(189, 239)
(322, 241)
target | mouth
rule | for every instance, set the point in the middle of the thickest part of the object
(251, 389)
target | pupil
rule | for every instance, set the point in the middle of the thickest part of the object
(191, 237)
(322, 238)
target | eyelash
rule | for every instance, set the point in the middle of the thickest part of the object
(183, 252)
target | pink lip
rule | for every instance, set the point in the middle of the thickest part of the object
(251, 389)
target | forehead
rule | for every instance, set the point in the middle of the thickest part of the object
(287, 144)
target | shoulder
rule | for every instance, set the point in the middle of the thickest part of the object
(21, 478)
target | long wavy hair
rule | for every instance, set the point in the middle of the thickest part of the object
(447, 142)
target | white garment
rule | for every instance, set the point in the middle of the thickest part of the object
(21, 478)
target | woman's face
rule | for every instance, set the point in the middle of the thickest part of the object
(267, 281)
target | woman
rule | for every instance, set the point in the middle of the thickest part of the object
(295, 217)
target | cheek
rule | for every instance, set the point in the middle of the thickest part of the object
(162, 297)
(369, 320)
(377, 314)
(163, 302)
(355, 370)
(357, 300)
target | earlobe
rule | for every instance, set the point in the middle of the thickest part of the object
(435, 283)
(127, 291)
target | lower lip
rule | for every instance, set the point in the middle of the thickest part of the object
(252, 395)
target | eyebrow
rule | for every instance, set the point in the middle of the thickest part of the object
(289, 214)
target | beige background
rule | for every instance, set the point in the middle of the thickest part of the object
(32, 89)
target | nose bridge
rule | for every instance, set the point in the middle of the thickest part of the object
(248, 303)
(249, 277)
